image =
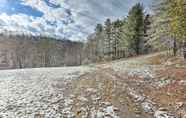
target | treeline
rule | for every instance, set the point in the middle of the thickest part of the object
(23, 51)
(141, 33)
(121, 38)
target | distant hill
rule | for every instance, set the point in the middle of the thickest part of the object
(21, 51)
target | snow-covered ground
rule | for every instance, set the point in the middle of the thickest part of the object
(28, 92)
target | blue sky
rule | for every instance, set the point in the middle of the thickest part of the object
(13, 7)
(74, 19)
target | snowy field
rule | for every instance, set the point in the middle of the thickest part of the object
(30, 92)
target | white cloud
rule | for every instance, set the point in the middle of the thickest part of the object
(25, 23)
(58, 21)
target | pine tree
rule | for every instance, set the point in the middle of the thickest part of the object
(120, 42)
(108, 39)
(99, 37)
(147, 29)
(135, 27)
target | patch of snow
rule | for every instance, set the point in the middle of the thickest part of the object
(109, 111)
(142, 72)
(136, 96)
(145, 72)
(147, 107)
(68, 102)
(106, 112)
(83, 99)
(162, 114)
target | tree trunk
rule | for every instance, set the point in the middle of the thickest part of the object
(175, 47)
(184, 49)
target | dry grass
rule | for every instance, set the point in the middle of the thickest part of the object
(157, 59)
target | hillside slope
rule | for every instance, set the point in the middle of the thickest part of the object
(139, 87)
(21, 51)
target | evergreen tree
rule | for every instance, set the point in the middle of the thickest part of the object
(108, 39)
(117, 37)
(147, 29)
(99, 37)
(135, 28)
(120, 43)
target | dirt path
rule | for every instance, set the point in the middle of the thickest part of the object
(104, 89)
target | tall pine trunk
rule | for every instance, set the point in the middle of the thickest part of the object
(175, 47)
(184, 49)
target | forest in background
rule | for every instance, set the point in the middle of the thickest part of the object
(141, 33)
(23, 51)
(136, 34)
